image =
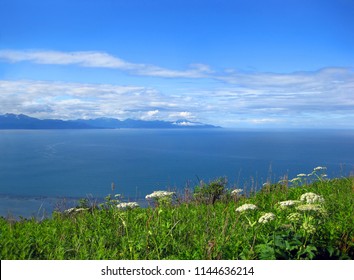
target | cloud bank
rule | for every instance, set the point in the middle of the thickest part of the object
(322, 98)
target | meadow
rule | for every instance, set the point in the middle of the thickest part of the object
(307, 217)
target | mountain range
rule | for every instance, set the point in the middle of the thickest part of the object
(13, 121)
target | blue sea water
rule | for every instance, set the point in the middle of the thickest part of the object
(41, 169)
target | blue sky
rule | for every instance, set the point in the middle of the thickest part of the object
(238, 63)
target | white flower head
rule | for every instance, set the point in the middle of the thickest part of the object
(311, 198)
(246, 207)
(294, 217)
(236, 191)
(308, 227)
(318, 168)
(267, 217)
(301, 175)
(70, 210)
(80, 209)
(310, 207)
(127, 205)
(295, 180)
(288, 203)
(159, 194)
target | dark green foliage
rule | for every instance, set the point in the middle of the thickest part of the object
(210, 193)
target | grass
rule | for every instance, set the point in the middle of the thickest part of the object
(203, 226)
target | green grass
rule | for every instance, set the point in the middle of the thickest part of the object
(196, 228)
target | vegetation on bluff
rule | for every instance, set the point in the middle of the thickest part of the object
(308, 217)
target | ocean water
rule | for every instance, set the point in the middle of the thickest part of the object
(44, 169)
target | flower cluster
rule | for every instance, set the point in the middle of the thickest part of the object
(308, 227)
(319, 168)
(246, 207)
(267, 217)
(235, 192)
(310, 207)
(127, 205)
(311, 198)
(288, 203)
(294, 217)
(71, 210)
(159, 194)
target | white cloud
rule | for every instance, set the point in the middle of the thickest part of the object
(101, 60)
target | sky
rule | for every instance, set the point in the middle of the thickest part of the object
(232, 63)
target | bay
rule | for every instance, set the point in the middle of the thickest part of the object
(41, 169)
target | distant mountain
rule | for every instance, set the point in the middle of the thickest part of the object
(12, 121)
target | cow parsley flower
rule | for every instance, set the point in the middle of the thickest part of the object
(81, 209)
(301, 175)
(311, 198)
(127, 205)
(159, 194)
(70, 210)
(246, 207)
(318, 168)
(310, 207)
(236, 192)
(288, 203)
(308, 226)
(267, 217)
(294, 217)
(295, 180)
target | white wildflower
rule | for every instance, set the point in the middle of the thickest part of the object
(80, 209)
(295, 180)
(311, 198)
(310, 207)
(246, 207)
(294, 217)
(301, 175)
(267, 217)
(127, 205)
(159, 194)
(287, 203)
(236, 191)
(318, 168)
(308, 227)
(68, 211)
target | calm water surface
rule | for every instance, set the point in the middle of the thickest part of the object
(40, 168)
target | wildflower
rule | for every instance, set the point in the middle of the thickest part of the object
(127, 205)
(294, 217)
(310, 207)
(236, 192)
(246, 207)
(318, 168)
(81, 209)
(301, 175)
(159, 194)
(311, 198)
(288, 203)
(282, 181)
(308, 227)
(295, 180)
(267, 217)
(68, 211)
